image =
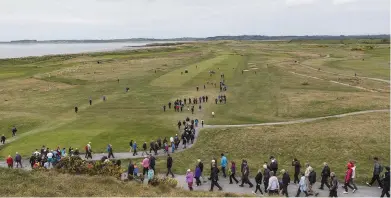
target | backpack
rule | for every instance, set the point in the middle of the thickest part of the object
(86, 148)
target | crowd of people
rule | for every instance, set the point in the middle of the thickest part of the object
(305, 178)
(187, 137)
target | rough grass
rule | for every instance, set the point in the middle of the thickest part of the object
(336, 141)
(40, 97)
(18, 183)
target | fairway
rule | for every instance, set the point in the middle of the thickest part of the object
(39, 94)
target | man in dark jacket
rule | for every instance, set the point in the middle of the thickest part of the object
(159, 143)
(152, 162)
(386, 183)
(377, 169)
(245, 174)
(14, 130)
(201, 165)
(273, 164)
(285, 182)
(3, 139)
(151, 147)
(214, 174)
(258, 181)
(266, 176)
(325, 176)
(312, 180)
(32, 160)
(144, 149)
(333, 185)
(169, 166)
(297, 166)
(130, 170)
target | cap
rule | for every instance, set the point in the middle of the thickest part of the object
(188, 170)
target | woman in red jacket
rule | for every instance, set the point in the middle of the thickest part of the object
(10, 162)
(348, 177)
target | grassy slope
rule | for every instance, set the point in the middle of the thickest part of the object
(40, 101)
(51, 184)
(335, 141)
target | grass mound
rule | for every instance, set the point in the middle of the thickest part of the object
(19, 183)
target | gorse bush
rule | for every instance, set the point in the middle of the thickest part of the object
(156, 181)
(76, 165)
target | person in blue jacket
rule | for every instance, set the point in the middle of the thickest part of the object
(224, 164)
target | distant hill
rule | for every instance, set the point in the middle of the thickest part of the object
(214, 38)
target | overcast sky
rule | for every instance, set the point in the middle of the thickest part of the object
(109, 19)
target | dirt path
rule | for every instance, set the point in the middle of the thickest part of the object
(332, 81)
(375, 79)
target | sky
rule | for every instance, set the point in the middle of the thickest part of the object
(115, 19)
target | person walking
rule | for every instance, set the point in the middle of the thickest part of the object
(266, 176)
(333, 185)
(76, 109)
(352, 182)
(303, 186)
(273, 164)
(245, 175)
(377, 169)
(233, 172)
(169, 165)
(135, 149)
(110, 151)
(312, 180)
(348, 177)
(274, 185)
(144, 149)
(223, 164)
(197, 175)
(14, 130)
(214, 176)
(386, 183)
(131, 145)
(3, 139)
(151, 174)
(325, 176)
(286, 179)
(89, 151)
(297, 166)
(145, 164)
(258, 182)
(189, 179)
(152, 162)
(18, 160)
(90, 100)
(10, 162)
(201, 165)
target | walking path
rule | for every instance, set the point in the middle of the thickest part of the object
(363, 191)
(334, 73)
(332, 81)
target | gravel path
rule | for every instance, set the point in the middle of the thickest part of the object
(363, 191)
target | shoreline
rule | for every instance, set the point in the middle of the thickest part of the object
(114, 49)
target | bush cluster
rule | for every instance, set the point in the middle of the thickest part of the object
(76, 165)
(156, 181)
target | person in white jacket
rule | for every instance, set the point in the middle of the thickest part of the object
(274, 185)
(353, 177)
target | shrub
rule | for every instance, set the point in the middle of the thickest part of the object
(156, 181)
(76, 165)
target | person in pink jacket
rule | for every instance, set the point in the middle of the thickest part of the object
(189, 179)
(145, 165)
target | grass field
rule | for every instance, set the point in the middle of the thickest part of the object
(39, 94)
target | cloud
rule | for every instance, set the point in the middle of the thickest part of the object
(299, 2)
(339, 2)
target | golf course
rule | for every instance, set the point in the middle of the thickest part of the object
(267, 82)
